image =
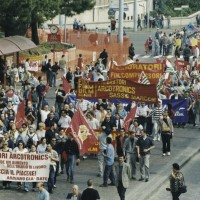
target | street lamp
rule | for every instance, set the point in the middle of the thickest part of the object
(181, 8)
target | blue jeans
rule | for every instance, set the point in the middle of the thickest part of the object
(70, 165)
(51, 178)
(108, 173)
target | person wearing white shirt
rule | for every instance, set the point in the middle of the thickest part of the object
(83, 104)
(27, 66)
(196, 52)
(64, 120)
(142, 113)
(44, 113)
(93, 122)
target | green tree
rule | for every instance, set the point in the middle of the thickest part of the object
(72, 7)
(18, 15)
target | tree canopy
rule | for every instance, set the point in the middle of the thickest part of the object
(166, 7)
(18, 15)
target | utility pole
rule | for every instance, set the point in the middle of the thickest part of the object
(135, 15)
(121, 20)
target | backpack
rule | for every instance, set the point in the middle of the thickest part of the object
(30, 141)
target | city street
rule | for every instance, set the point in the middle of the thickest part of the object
(185, 145)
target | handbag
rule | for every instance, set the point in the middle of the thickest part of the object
(183, 188)
(165, 127)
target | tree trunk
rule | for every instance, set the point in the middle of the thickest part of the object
(34, 30)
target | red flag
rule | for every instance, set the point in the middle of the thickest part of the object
(82, 132)
(66, 86)
(129, 118)
(20, 117)
(180, 64)
(46, 89)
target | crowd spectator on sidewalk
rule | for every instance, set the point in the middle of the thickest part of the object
(62, 64)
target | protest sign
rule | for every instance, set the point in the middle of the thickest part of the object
(24, 167)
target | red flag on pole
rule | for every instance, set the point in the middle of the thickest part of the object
(129, 118)
(20, 117)
(82, 132)
(46, 89)
(66, 86)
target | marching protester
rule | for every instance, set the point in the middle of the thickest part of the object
(109, 155)
(131, 152)
(75, 194)
(42, 194)
(90, 193)
(29, 126)
(176, 180)
(123, 174)
(166, 133)
(144, 145)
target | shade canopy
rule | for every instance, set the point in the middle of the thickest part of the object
(15, 44)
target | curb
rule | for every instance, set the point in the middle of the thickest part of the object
(143, 192)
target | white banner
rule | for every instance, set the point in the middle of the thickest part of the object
(26, 167)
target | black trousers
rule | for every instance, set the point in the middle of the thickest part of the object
(121, 190)
(166, 142)
(175, 195)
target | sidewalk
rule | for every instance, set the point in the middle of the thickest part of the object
(184, 145)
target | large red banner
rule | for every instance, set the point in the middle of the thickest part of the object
(117, 89)
(133, 71)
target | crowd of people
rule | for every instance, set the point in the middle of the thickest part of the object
(176, 44)
(44, 130)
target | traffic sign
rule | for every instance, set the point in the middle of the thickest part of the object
(111, 12)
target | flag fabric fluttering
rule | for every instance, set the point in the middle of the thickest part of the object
(66, 86)
(169, 67)
(20, 116)
(82, 133)
(160, 83)
(129, 118)
(143, 79)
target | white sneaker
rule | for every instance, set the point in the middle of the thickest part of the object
(164, 154)
(26, 189)
(168, 153)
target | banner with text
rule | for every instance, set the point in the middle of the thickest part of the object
(133, 71)
(22, 167)
(117, 89)
(180, 109)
